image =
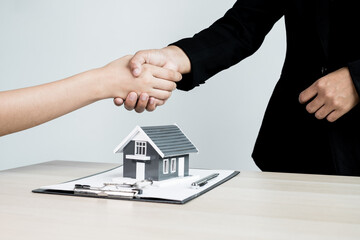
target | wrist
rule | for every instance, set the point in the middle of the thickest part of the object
(179, 56)
(114, 79)
(96, 82)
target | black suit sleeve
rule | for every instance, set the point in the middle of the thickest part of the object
(230, 39)
(354, 69)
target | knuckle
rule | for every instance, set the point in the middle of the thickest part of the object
(309, 108)
(177, 76)
(160, 103)
(146, 80)
(173, 75)
(141, 103)
(147, 55)
(129, 104)
(145, 67)
(150, 108)
(336, 103)
(321, 83)
(133, 61)
(139, 53)
(329, 94)
(129, 108)
(166, 95)
(319, 115)
(167, 74)
(331, 118)
(136, 58)
(139, 109)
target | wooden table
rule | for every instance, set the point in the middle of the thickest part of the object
(253, 205)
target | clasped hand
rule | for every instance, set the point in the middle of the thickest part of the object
(154, 81)
(171, 58)
(332, 95)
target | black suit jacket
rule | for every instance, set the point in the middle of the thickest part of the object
(322, 36)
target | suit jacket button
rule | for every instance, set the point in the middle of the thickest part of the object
(323, 70)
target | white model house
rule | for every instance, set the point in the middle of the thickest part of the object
(156, 153)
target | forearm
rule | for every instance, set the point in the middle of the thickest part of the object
(235, 36)
(28, 107)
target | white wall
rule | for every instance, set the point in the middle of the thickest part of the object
(44, 40)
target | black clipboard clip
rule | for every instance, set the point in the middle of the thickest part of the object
(107, 190)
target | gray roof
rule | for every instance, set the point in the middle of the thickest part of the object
(170, 140)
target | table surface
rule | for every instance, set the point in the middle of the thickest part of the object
(253, 205)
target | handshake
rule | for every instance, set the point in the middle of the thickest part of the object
(143, 81)
(147, 79)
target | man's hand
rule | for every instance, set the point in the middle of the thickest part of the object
(335, 95)
(170, 57)
(139, 104)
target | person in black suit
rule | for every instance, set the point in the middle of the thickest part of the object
(312, 122)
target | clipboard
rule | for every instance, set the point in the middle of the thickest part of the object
(174, 191)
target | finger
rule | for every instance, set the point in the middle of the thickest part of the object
(118, 101)
(314, 105)
(164, 84)
(159, 102)
(307, 94)
(323, 112)
(335, 115)
(160, 94)
(151, 105)
(130, 101)
(165, 73)
(154, 103)
(142, 102)
(152, 57)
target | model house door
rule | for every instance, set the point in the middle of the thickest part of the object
(181, 169)
(140, 171)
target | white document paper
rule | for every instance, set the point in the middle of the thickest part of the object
(176, 189)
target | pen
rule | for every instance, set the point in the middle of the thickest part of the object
(204, 180)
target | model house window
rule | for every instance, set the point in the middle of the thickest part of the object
(173, 165)
(166, 166)
(140, 148)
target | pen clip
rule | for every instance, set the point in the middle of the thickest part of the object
(204, 181)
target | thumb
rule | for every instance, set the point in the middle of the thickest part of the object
(135, 63)
(153, 57)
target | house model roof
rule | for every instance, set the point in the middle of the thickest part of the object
(167, 140)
